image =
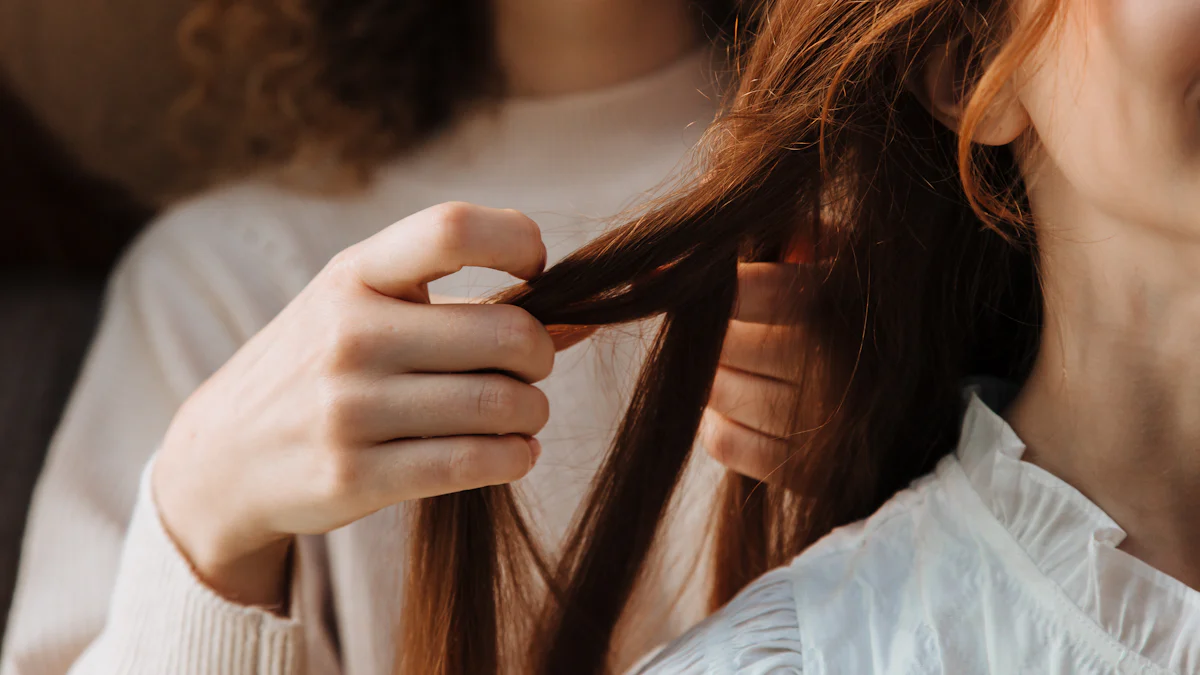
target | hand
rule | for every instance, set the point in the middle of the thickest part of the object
(357, 396)
(753, 398)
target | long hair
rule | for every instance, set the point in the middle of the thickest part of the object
(338, 87)
(926, 274)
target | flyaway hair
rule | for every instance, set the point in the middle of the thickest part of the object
(924, 275)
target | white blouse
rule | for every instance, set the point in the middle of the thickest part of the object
(989, 565)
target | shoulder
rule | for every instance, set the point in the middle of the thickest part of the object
(864, 573)
(827, 598)
(874, 592)
(757, 632)
(250, 246)
(241, 227)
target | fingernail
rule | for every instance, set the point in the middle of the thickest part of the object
(535, 451)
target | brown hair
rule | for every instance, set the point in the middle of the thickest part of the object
(343, 85)
(927, 276)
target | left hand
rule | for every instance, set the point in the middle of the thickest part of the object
(753, 397)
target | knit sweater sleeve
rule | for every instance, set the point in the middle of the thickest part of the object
(164, 620)
(101, 589)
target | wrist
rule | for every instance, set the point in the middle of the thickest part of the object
(244, 569)
(253, 576)
(260, 578)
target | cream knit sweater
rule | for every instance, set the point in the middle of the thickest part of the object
(103, 591)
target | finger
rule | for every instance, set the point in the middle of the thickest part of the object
(457, 338)
(742, 450)
(419, 406)
(563, 336)
(415, 469)
(443, 239)
(763, 349)
(770, 292)
(763, 404)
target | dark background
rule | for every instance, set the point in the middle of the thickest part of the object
(61, 230)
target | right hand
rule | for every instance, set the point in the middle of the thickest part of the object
(357, 396)
(746, 424)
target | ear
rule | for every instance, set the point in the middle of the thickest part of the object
(937, 84)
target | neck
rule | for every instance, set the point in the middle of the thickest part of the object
(552, 47)
(1113, 404)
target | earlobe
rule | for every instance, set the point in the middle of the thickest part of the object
(939, 91)
(1006, 119)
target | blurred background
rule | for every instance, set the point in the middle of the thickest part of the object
(87, 96)
(86, 88)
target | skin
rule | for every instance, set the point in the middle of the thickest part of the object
(747, 416)
(1108, 113)
(361, 394)
(549, 47)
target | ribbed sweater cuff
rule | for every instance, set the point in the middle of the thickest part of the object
(165, 620)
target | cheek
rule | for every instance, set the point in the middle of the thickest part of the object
(1158, 42)
(1114, 103)
(1154, 48)
(1160, 38)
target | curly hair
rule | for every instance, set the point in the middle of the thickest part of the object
(339, 86)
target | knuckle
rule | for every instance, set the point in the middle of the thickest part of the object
(339, 416)
(337, 478)
(347, 257)
(496, 398)
(343, 266)
(487, 461)
(348, 340)
(463, 465)
(452, 222)
(517, 332)
(526, 228)
(750, 454)
(719, 445)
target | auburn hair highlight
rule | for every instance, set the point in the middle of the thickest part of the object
(925, 275)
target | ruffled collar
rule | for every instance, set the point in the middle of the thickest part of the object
(1074, 544)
